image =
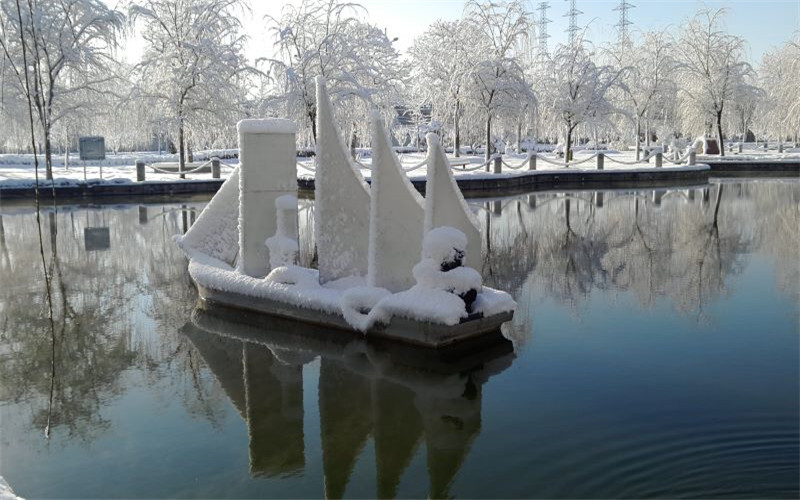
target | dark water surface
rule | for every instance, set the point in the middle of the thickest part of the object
(655, 354)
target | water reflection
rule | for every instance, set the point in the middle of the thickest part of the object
(672, 244)
(399, 396)
(704, 254)
(107, 310)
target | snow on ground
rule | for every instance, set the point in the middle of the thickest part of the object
(6, 493)
(17, 171)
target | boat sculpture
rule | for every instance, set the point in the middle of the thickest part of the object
(390, 263)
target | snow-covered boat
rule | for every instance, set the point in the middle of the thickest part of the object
(390, 263)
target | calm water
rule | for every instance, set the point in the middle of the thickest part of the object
(655, 354)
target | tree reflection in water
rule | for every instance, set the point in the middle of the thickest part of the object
(399, 396)
(668, 243)
(108, 307)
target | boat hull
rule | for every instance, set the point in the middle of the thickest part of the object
(399, 329)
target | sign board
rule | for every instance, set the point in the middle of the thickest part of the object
(92, 148)
(96, 238)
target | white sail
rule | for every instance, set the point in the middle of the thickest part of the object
(216, 231)
(341, 212)
(445, 205)
(397, 216)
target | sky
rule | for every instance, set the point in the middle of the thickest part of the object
(764, 24)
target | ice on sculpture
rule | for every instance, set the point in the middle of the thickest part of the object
(342, 198)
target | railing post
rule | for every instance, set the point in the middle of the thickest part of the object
(215, 167)
(139, 170)
(692, 157)
(740, 147)
(498, 164)
(659, 159)
(532, 162)
(601, 160)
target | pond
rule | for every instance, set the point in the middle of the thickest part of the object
(654, 353)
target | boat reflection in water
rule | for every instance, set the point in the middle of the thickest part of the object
(399, 395)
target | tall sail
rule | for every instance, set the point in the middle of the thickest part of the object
(445, 205)
(397, 216)
(216, 231)
(341, 214)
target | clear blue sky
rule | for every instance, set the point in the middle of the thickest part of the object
(764, 24)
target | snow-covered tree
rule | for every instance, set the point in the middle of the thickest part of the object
(497, 79)
(311, 39)
(578, 89)
(194, 63)
(780, 78)
(646, 79)
(59, 53)
(442, 60)
(747, 100)
(327, 38)
(373, 77)
(712, 71)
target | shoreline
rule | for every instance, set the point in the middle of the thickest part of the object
(472, 186)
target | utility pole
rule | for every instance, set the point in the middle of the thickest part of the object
(573, 22)
(624, 21)
(541, 49)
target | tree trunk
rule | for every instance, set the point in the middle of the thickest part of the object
(353, 140)
(48, 155)
(519, 136)
(313, 117)
(181, 150)
(456, 134)
(719, 134)
(638, 145)
(488, 140)
(567, 146)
